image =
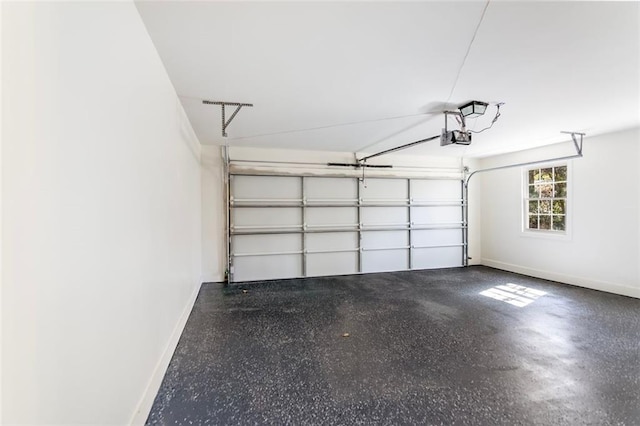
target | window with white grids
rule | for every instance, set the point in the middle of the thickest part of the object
(545, 202)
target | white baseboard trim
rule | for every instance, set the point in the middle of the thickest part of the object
(146, 402)
(567, 279)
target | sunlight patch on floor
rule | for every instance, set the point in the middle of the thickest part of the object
(513, 294)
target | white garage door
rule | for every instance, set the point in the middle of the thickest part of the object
(302, 226)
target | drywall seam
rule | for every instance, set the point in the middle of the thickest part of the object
(566, 279)
(146, 401)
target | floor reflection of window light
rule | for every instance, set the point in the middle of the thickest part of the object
(513, 294)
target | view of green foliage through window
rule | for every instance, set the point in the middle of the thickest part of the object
(546, 201)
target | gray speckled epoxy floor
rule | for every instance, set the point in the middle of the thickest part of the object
(423, 348)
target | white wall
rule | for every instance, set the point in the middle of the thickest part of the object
(101, 239)
(213, 215)
(602, 251)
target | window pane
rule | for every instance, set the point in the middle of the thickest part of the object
(545, 196)
(545, 206)
(545, 222)
(558, 223)
(546, 174)
(561, 190)
(546, 190)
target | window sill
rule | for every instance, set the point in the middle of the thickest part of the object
(546, 235)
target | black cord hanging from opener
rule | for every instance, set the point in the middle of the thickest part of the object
(492, 121)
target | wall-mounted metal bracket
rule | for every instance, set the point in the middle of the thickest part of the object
(225, 122)
(577, 144)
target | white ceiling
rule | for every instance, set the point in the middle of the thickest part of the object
(367, 76)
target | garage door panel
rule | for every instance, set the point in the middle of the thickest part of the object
(384, 239)
(266, 243)
(341, 189)
(436, 214)
(435, 237)
(385, 260)
(267, 267)
(443, 257)
(266, 187)
(436, 190)
(322, 264)
(321, 217)
(385, 189)
(269, 217)
(384, 215)
(332, 241)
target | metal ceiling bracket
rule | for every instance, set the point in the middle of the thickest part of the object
(577, 144)
(225, 122)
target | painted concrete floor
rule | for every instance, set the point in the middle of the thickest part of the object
(422, 348)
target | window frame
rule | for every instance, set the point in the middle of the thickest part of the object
(524, 217)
